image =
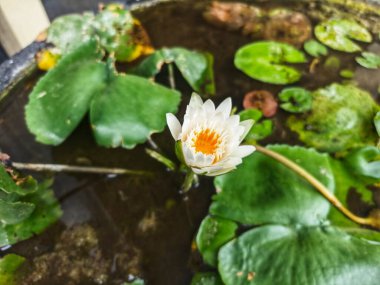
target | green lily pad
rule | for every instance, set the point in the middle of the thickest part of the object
(47, 211)
(369, 60)
(208, 278)
(365, 161)
(195, 67)
(130, 109)
(62, 97)
(9, 264)
(346, 73)
(70, 31)
(265, 61)
(277, 254)
(295, 100)
(315, 48)
(341, 118)
(376, 121)
(339, 33)
(260, 129)
(212, 234)
(261, 180)
(14, 212)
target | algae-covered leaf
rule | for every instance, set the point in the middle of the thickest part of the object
(262, 190)
(62, 97)
(315, 48)
(130, 109)
(14, 212)
(70, 31)
(9, 264)
(277, 254)
(295, 99)
(260, 129)
(265, 61)
(339, 34)
(368, 60)
(212, 234)
(206, 278)
(46, 212)
(196, 67)
(341, 118)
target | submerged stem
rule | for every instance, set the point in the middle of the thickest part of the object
(369, 221)
(71, 168)
(190, 178)
(171, 76)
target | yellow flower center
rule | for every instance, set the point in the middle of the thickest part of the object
(206, 141)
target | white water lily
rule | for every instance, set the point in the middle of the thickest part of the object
(211, 137)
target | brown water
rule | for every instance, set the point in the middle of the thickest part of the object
(137, 225)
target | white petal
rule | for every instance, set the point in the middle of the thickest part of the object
(174, 126)
(247, 125)
(233, 122)
(209, 108)
(232, 161)
(220, 172)
(188, 155)
(195, 101)
(244, 150)
(202, 160)
(225, 108)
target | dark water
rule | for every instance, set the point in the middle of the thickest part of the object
(138, 225)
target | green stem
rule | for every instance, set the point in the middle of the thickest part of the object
(171, 76)
(161, 158)
(368, 221)
(188, 182)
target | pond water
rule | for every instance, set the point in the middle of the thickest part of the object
(118, 226)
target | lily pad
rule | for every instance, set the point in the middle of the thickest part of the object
(62, 97)
(261, 180)
(365, 161)
(341, 118)
(14, 212)
(295, 100)
(130, 109)
(277, 254)
(212, 234)
(369, 60)
(265, 61)
(195, 67)
(9, 264)
(260, 129)
(208, 278)
(376, 121)
(315, 48)
(339, 33)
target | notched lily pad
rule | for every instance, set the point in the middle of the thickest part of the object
(295, 100)
(277, 254)
(339, 33)
(260, 129)
(261, 180)
(265, 61)
(369, 60)
(315, 48)
(341, 118)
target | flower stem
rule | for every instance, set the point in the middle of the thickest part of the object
(171, 75)
(188, 182)
(161, 158)
(369, 221)
(80, 169)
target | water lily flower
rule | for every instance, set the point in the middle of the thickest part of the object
(210, 137)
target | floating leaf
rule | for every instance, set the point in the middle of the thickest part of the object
(277, 254)
(315, 48)
(195, 67)
(14, 212)
(376, 121)
(369, 60)
(130, 109)
(341, 118)
(264, 61)
(70, 31)
(339, 33)
(332, 63)
(365, 161)
(260, 130)
(346, 73)
(295, 99)
(137, 281)
(47, 211)
(62, 97)
(263, 190)
(9, 264)
(208, 278)
(212, 234)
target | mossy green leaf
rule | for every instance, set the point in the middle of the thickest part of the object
(262, 190)
(196, 67)
(265, 61)
(62, 97)
(130, 109)
(14, 212)
(212, 234)
(286, 255)
(341, 118)
(315, 48)
(339, 34)
(9, 264)
(206, 278)
(295, 99)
